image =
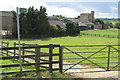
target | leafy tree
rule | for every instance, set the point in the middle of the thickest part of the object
(33, 22)
(72, 28)
(54, 31)
(44, 27)
(14, 29)
(60, 16)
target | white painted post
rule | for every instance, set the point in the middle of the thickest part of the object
(18, 31)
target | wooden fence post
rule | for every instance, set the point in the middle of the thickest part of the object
(7, 46)
(14, 50)
(50, 57)
(108, 64)
(61, 59)
(1, 44)
(23, 52)
(37, 60)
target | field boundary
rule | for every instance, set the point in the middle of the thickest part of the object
(40, 62)
(99, 35)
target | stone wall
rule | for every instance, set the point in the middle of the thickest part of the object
(6, 21)
(87, 17)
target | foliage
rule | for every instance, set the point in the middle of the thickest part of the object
(54, 31)
(72, 28)
(33, 22)
(60, 16)
(99, 20)
(69, 40)
(14, 29)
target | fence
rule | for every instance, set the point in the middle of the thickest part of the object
(63, 58)
(39, 62)
(90, 58)
(99, 35)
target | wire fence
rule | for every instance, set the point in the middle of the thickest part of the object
(100, 35)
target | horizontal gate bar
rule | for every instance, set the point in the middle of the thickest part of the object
(86, 45)
(90, 52)
(26, 64)
(87, 67)
(89, 58)
(88, 71)
(89, 63)
(12, 72)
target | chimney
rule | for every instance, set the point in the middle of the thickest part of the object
(92, 15)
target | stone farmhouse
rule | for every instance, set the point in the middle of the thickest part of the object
(6, 22)
(54, 20)
(84, 20)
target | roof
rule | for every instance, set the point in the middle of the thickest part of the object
(81, 24)
(85, 13)
(56, 21)
(53, 18)
(6, 13)
(73, 20)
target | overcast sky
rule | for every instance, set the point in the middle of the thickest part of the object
(68, 8)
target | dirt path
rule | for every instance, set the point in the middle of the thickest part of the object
(77, 72)
(107, 74)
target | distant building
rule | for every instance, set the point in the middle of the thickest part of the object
(6, 21)
(87, 19)
(54, 20)
(97, 25)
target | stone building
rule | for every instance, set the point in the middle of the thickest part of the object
(6, 22)
(97, 25)
(86, 17)
(54, 20)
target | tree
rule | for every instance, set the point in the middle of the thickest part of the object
(33, 22)
(60, 16)
(72, 28)
(14, 29)
(44, 26)
(54, 31)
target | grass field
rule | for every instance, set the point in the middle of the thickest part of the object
(74, 40)
(112, 32)
(78, 40)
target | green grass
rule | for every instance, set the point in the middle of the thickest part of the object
(13, 61)
(77, 40)
(113, 32)
(111, 21)
(68, 40)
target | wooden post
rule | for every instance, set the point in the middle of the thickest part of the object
(37, 59)
(50, 57)
(1, 44)
(7, 46)
(23, 52)
(61, 59)
(108, 64)
(14, 50)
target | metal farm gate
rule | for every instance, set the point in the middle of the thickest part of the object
(62, 58)
(90, 58)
